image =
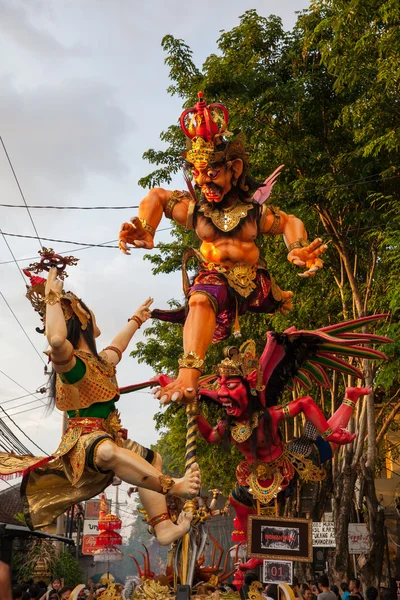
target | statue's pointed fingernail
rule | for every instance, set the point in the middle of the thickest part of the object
(157, 394)
(164, 398)
(189, 389)
(175, 396)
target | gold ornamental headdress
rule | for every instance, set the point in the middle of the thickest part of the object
(205, 125)
(241, 362)
(70, 303)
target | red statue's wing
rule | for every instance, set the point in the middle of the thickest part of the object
(302, 357)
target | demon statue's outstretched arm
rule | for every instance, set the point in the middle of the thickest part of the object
(141, 229)
(301, 252)
(212, 435)
(332, 430)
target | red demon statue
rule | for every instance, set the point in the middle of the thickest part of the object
(249, 388)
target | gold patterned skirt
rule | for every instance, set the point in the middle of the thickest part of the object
(51, 484)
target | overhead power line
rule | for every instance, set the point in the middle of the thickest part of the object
(17, 398)
(102, 244)
(26, 390)
(12, 254)
(106, 245)
(23, 432)
(86, 244)
(376, 177)
(53, 207)
(20, 189)
(23, 329)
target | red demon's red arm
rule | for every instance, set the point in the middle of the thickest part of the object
(212, 435)
(307, 406)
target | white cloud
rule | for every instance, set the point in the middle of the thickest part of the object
(82, 97)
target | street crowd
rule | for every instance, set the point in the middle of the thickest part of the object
(320, 589)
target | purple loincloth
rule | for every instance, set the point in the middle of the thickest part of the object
(224, 299)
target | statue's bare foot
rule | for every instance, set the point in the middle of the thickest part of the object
(167, 532)
(182, 389)
(355, 393)
(189, 484)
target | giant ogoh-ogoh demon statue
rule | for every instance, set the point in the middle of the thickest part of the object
(227, 217)
(249, 388)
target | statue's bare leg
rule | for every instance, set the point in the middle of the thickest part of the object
(133, 469)
(342, 416)
(154, 504)
(197, 337)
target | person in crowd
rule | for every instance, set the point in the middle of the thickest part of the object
(56, 585)
(17, 592)
(65, 592)
(355, 589)
(371, 593)
(248, 580)
(335, 590)
(296, 587)
(272, 591)
(307, 594)
(35, 591)
(5, 581)
(314, 588)
(324, 591)
(344, 586)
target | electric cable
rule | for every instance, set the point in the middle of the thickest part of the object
(7, 262)
(20, 189)
(23, 329)
(12, 254)
(18, 235)
(23, 432)
(12, 439)
(87, 244)
(17, 398)
(373, 178)
(26, 390)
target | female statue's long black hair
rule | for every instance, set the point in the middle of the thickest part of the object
(74, 333)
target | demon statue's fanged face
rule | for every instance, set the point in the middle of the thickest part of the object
(216, 181)
(232, 394)
(239, 374)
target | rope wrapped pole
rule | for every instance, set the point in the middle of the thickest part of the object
(192, 409)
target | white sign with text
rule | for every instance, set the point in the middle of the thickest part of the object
(90, 527)
(323, 535)
(358, 538)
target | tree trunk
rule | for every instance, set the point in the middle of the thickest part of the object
(370, 564)
(343, 490)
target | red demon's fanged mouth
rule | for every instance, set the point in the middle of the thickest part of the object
(212, 193)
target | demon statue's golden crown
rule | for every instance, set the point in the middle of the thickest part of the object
(241, 362)
(205, 125)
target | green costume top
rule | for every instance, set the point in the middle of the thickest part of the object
(89, 404)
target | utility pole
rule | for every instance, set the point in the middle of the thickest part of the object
(61, 520)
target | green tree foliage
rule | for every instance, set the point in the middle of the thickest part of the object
(68, 569)
(323, 100)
